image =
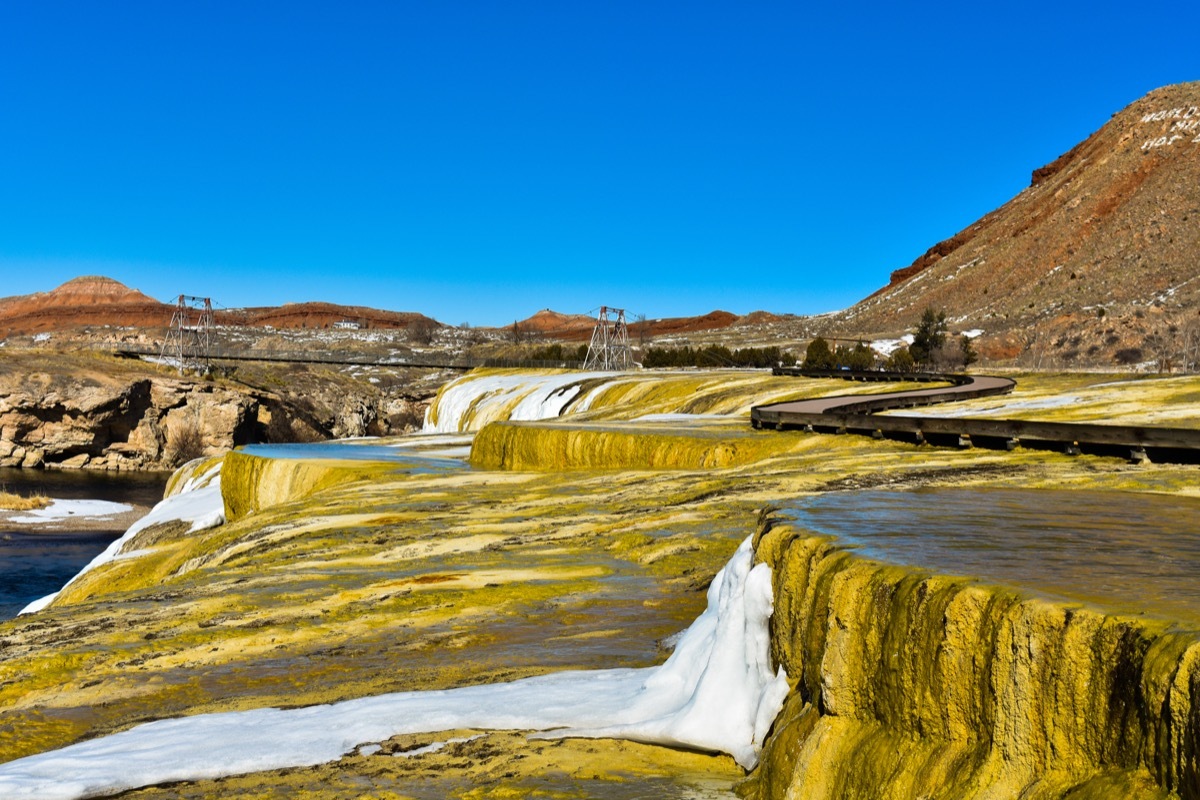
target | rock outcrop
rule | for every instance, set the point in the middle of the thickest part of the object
(82, 411)
(140, 424)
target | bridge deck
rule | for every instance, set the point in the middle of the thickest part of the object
(346, 358)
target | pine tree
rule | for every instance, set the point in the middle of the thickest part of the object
(929, 336)
(818, 355)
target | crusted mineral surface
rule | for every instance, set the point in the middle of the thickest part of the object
(588, 542)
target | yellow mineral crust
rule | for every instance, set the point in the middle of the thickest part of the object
(252, 483)
(335, 580)
(918, 685)
(564, 445)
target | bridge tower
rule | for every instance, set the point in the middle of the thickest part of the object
(609, 349)
(189, 336)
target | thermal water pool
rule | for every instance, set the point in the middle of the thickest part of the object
(1124, 552)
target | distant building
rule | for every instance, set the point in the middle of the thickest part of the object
(347, 325)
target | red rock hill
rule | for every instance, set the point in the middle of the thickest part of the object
(97, 301)
(89, 300)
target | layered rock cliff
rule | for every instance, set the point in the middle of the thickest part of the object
(136, 424)
(88, 411)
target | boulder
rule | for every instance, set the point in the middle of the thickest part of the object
(74, 462)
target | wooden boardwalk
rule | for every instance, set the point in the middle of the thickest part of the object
(856, 414)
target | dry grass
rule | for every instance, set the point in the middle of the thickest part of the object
(185, 442)
(15, 502)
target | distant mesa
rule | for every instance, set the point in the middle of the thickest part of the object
(574, 327)
(88, 300)
(97, 301)
(547, 321)
(321, 315)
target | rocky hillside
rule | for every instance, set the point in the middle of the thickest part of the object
(1094, 263)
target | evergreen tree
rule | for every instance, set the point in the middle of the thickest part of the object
(818, 355)
(967, 349)
(859, 358)
(901, 361)
(929, 336)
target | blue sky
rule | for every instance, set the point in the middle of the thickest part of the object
(478, 161)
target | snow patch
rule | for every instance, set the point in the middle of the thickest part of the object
(59, 510)
(197, 501)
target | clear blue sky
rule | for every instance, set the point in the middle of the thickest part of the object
(478, 161)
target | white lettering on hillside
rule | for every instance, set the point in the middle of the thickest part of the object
(1185, 125)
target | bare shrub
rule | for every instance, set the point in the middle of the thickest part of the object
(184, 443)
(421, 331)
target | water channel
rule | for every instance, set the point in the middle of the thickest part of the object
(36, 560)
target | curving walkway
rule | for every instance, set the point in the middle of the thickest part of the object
(964, 387)
(856, 414)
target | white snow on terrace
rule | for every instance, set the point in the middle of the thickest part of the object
(197, 501)
(59, 510)
(716, 692)
(424, 440)
(429, 748)
(473, 401)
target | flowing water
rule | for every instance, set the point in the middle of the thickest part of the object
(35, 562)
(405, 459)
(1131, 553)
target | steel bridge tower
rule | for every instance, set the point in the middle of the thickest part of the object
(189, 336)
(609, 349)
